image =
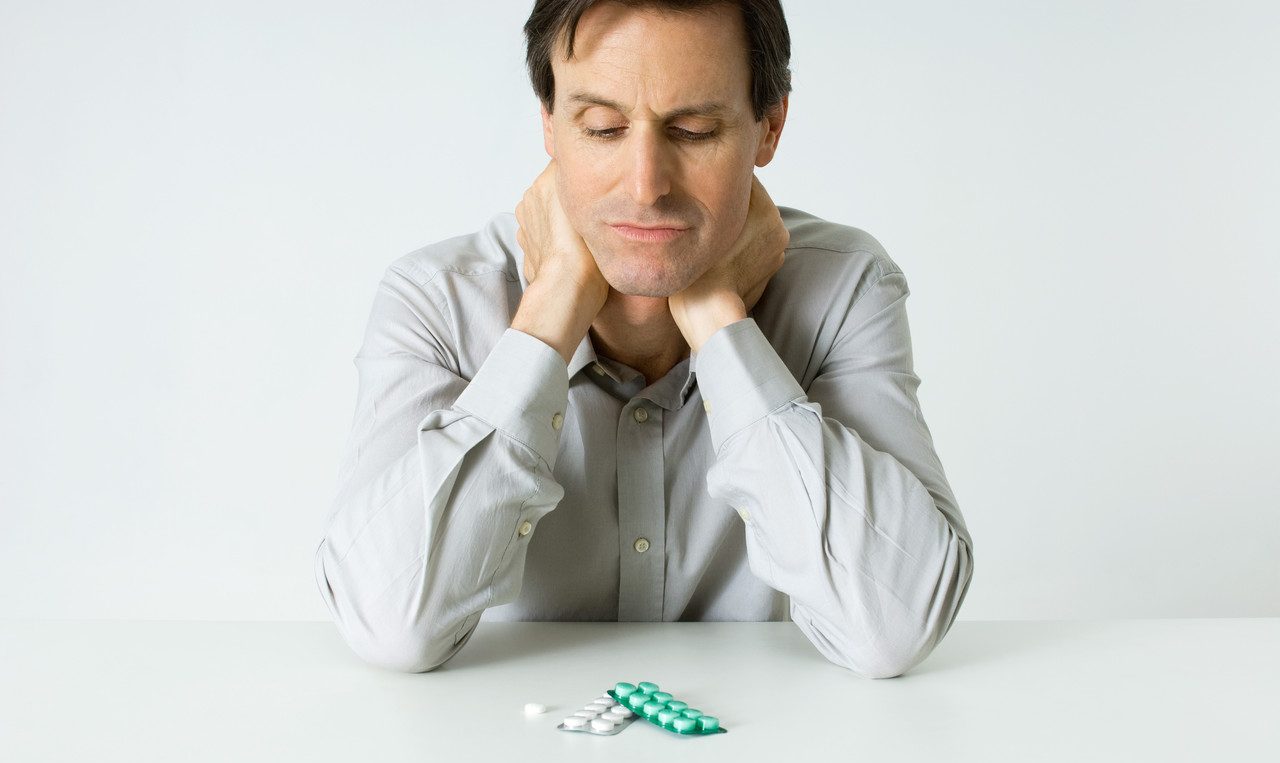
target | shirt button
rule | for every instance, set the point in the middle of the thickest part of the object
(640, 415)
(557, 421)
(525, 528)
(642, 545)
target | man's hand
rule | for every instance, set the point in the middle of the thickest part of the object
(566, 288)
(732, 286)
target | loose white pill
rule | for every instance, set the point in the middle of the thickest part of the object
(533, 708)
(600, 724)
(574, 722)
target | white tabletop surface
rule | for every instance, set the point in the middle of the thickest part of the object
(1123, 690)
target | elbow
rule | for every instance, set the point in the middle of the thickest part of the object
(899, 639)
(380, 639)
(398, 648)
(918, 639)
(888, 655)
(403, 653)
(889, 661)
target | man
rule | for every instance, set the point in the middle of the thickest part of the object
(650, 394)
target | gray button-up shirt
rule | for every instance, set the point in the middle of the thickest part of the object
(783, 472)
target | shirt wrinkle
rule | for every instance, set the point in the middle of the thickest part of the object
(705, 495)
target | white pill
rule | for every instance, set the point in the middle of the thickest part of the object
(596, 707)
(533, 708)
(600, 724)
(574, 722)
(621, 711)
(588, 714)
(607, 701)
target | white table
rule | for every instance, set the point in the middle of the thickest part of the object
(1126, 690)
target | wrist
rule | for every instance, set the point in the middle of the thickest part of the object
(557, 314)
(700, 319)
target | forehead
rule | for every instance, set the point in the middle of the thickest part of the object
(657, 57)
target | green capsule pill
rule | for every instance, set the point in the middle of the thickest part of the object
(692, 713)
(684, 725)
(624, 690)
(653, 708)
(708, 723)
(667, 716)
(637, 700)
(648, 687)
(677, 705)
(662, 696)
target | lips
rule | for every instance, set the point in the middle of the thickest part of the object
(648, 233)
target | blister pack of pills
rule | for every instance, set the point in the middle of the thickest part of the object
(603, 716)
(665, 711)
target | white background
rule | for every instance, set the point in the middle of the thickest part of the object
(197, 200)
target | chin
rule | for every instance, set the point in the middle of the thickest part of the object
(645, 282)
(641, 277)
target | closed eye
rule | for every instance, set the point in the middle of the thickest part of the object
(682, 134)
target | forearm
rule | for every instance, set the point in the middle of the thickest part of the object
(875, 572)
(434, 511)
(869, 544)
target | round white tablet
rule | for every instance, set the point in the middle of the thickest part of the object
(588, 714)
(533, 708)
(607, 701)
(600, 724)
(621, 711)
(574, 722)
(596, 707)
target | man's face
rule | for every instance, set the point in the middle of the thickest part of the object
(653, 127)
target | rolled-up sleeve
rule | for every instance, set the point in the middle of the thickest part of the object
(846, 505)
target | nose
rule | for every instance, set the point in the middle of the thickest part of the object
(649, 176)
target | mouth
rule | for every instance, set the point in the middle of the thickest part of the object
(655, 235)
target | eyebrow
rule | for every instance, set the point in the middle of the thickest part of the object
(707, 109)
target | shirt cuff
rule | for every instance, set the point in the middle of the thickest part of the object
(522, 388)
(741, 379)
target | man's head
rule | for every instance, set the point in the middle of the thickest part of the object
(656, 114)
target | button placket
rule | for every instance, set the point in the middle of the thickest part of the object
(641, 514)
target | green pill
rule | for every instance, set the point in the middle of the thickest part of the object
(677, 705)
(708, 723)
(653, 708)
(648, 687)
(667, 716)
(693, 713)
(684, 725)
(661, 696)
(624, 690)
(637, 700)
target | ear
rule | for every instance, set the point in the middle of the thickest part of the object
(548, 133)
(771, 131)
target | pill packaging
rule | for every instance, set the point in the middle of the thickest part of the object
(665, 711)
(602, 716)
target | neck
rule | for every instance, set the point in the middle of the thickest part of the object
(639, 332)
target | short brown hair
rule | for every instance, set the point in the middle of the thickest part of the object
(769, 43)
